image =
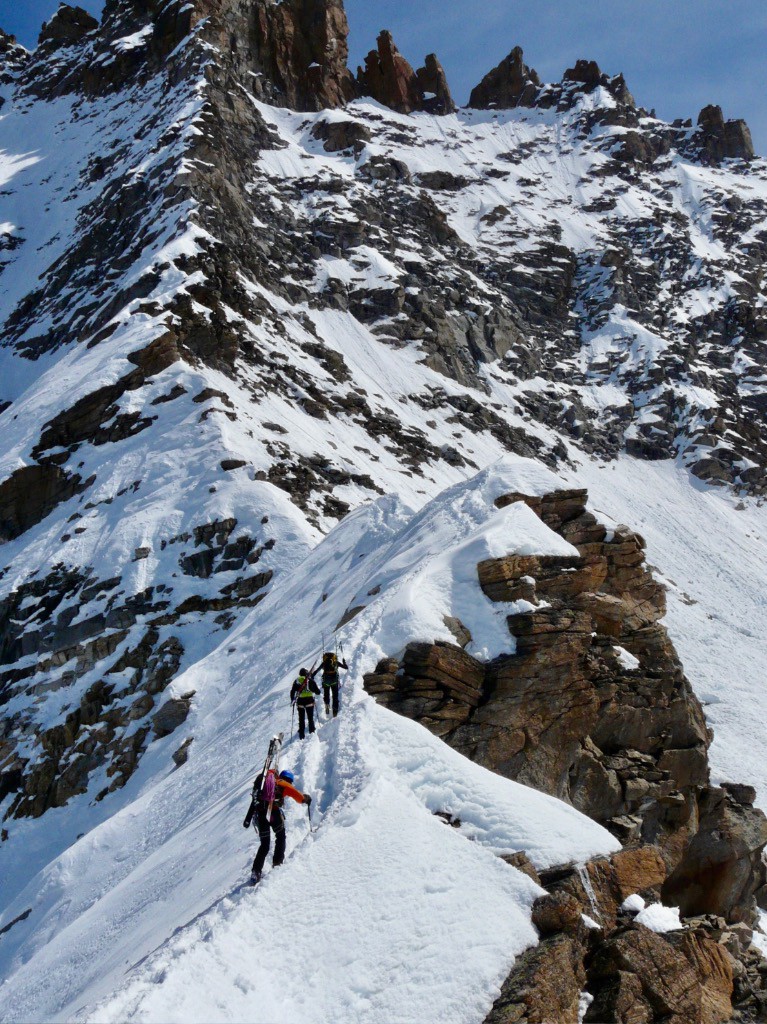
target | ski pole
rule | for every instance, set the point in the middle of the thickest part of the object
(292, 720)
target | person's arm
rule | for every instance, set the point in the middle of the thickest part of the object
(343, 664)
(249, 815)
(293, 793)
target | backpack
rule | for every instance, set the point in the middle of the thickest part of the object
(329, 664)
(265, 789)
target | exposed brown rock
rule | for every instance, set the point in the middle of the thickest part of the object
(297, 48)
(625, 740)
(722, 866)
(557, 912)
(511, 84)
(544, 985)
(670, 989)
(435, 92)
(604, 883)
(390, 80)
(714, 967)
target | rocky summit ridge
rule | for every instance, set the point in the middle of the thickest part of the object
(246, 290)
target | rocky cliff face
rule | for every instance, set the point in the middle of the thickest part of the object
(592, 706)
(239, 300)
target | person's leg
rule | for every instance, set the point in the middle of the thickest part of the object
(278, 824)
(335, 699)
(301, 721)
(326, 698)
(310, 716)
(265, 836)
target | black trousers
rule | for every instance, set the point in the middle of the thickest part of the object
(327, 690)
(305, 711)
(265, 829)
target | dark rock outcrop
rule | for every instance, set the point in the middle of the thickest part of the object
(514, 84)
(67, 27)
(340, 135)
(511, 84)
(723, 140)
(390, 80)
(722, 867)
(32, 493)
(172, 714)
(435, 92)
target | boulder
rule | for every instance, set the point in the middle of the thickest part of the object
(172, 714)
(340, 135)
(721, 867)
(557, 912)
(663, 984)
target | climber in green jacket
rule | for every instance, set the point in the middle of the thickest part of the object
(302, 694)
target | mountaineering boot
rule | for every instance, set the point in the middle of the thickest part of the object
(255, 877)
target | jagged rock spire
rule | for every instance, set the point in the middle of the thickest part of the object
(511, 84)
(724, 139)
(514, 84)
(67, 27)
(389, 78)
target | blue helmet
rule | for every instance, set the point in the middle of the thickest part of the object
(287, 776)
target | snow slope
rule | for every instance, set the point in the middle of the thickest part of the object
(409, 919)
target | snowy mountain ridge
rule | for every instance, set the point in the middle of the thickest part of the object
(246, 293)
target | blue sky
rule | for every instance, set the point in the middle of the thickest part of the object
(677, 55)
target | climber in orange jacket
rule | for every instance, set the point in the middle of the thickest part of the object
(269, 795)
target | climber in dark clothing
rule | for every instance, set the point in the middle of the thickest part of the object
(302, 694)
(330, 682)
(266, 806)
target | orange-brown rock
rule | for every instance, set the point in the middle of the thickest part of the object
(557, 912)
(544, 985)
(714, 968)
(390, 80)
(605, 882)
(593, 707)
(668, 988)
